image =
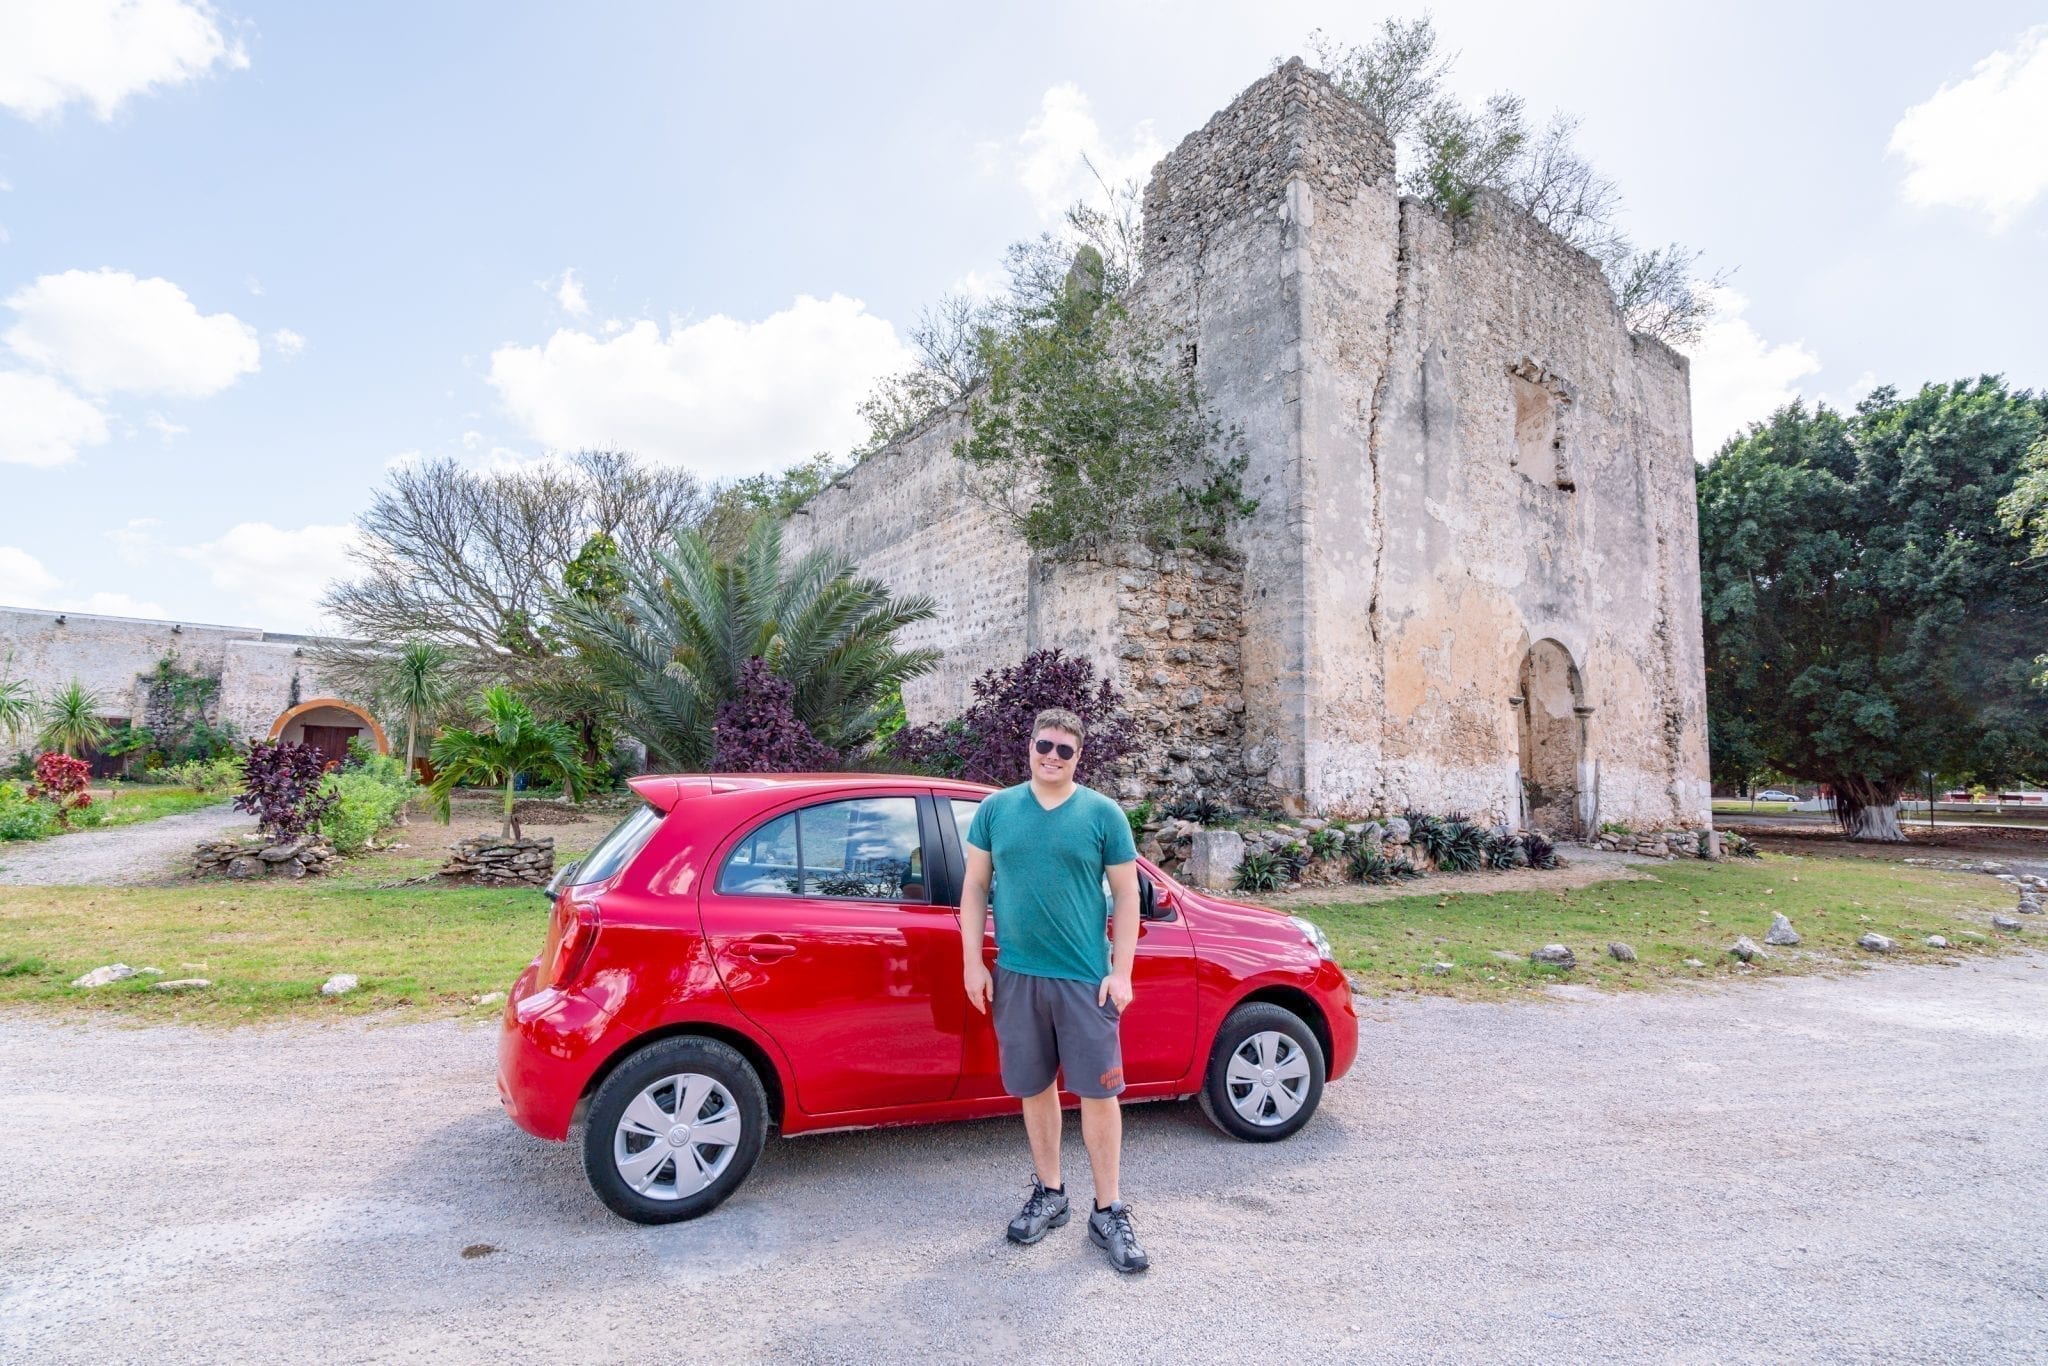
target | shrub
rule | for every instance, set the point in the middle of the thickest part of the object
(1463, 847)
(1138, 816)
(1327, 842)
(1199, 809)
(1260, 873)
(1542, 853)
(1292, 860)
(1503, 852)
(281, 787)
(758, 730)
(1427, 834)
(367, 798)
(218, 774)
(22, 817)
(60, 782)
(988, 742)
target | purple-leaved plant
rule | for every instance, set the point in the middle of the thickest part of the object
(758, 731)
(281, 788)
(987, 742)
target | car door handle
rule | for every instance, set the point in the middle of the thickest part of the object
(761, 950)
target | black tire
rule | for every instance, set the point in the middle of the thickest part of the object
(653, 1064)
(1239, 1027)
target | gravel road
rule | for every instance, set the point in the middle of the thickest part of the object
(120, 855)
(1808, 1169)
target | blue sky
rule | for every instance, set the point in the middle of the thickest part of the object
(252, 254)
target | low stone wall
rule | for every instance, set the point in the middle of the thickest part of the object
(1678, 842)
(255, 856)
(486, 858)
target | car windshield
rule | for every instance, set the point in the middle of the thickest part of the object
(617, 849)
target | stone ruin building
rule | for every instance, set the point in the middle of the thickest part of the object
(269, 688)
(1472, 580)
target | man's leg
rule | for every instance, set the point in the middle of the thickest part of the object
(1042, 1126)
(1102, 1130)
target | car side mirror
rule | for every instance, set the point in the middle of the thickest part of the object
(565, 876)
(1152, 906)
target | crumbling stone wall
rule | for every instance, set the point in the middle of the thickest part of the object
(1179, 625)
(1459, 453)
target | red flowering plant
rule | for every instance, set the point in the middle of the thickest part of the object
(758, 731)
(60, 781)
(281, 788)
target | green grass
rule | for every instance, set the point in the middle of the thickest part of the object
(1725, 807)
(267, 947)
(134, 805)
(1686, 909)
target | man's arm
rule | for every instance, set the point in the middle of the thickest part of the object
(1123, 936)
(974, 919)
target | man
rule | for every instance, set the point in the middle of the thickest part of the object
(1059, 991)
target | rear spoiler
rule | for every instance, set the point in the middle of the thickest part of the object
(663, 791)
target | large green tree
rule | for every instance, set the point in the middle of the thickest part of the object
(1869, 616)
(677, 639)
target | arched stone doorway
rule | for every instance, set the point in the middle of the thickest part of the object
(328, 724)
(1551, 716)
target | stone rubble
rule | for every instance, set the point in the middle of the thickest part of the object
(1553, 955)
(99, 977)
(182, 984)
(341, 984)
(486, 858)
(1745, 949)
(255, 856)
(1875, 942)
(1781, 932)
(1935, 941)
(2005, 922)
(1621, 953)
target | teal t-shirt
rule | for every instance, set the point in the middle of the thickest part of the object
(1051, 919)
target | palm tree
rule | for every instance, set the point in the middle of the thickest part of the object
(418, 679)
(673, 646)
(511, 743)
(71, 720)
(17, 705)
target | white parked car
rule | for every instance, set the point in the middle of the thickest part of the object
(1771, 794)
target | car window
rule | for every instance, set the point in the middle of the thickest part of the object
(764, 863)
(617, 849)
(867, 848)
(963, 817)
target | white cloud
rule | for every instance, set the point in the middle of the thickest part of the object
(1049, 152)
(1737, 376)
(287, 343)
(279, 574)
(23, 580)
(100, 52)
(1982, 143)
(568, 292)
(136, 542)
(45, 422)
(164, 427)
(722, 396)
(109, 332)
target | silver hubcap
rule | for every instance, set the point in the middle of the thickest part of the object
(677, 1136)
(1268, 1079)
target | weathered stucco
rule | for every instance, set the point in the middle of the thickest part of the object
(262, 675)
(1473, 483)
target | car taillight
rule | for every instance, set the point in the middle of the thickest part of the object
(572, 933)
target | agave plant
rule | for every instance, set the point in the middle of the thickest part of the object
(674, 644)
(1260, 873)
(1367, 864)
(1327, 842)
(1199, 809)
(1464, 847)
(1292, 860)
(1503, 852)
(1427, 834)
(511, 742)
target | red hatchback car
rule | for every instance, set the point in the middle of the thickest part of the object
(753, 951)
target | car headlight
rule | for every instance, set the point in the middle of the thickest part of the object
(1315, 936)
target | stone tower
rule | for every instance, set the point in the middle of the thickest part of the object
(1472, 579)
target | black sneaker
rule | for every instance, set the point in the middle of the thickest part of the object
(1043, 1212)
(1110, 1229)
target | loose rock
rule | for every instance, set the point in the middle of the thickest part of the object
(99, 977)
(341, 984)
(1935, 941)
(1781, 931)
(1745, 948)
(1553, 955)
(489, 998)
(1694, 963)
(1621, 953)
(182, 984)
(1442, 969)
(1876, 943)
(2004, 922)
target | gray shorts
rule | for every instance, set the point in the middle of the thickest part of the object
(1046, 1026)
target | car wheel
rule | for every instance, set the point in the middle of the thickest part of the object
(1265, 1074)
(674, 1130)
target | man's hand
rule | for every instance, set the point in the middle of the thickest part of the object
(981, 988)
(1116, 988)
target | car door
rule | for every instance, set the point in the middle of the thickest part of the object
(1158, 1034)
(825, 936)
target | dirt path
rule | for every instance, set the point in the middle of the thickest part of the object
(154, 851)
(1816, 1169)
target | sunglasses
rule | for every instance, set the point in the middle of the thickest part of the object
(1048, 746)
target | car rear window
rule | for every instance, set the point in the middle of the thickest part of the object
(617, 849)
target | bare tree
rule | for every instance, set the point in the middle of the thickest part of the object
(947, 341)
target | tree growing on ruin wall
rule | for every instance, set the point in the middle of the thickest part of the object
(1870, 616)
